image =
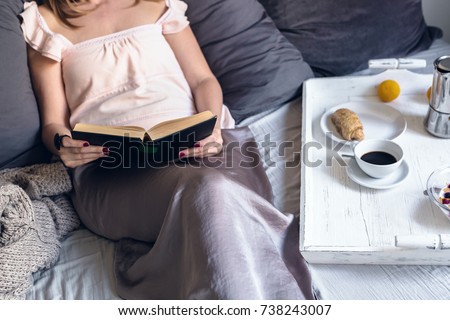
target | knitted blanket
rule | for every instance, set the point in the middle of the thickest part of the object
(35, 216)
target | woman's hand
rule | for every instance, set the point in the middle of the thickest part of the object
(209, 146)
(74, 153)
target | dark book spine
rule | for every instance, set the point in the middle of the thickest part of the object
(96, 139)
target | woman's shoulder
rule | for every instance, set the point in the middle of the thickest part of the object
(38, 25)
(176, 4)
(48, 15)
(40, 14)
(174, 20)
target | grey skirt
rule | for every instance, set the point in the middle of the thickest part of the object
(197, 229)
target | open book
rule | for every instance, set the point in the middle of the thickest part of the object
(162, 142)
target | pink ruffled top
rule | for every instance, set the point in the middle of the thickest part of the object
(129, 77)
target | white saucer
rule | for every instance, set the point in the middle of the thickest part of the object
(355, 173)
(380, 120)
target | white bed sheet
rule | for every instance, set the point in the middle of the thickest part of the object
(85, 266)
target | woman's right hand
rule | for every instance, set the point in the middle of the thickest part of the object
(74, 153)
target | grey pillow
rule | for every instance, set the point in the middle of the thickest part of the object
(20, 143)
(338, 37)
(256, 66)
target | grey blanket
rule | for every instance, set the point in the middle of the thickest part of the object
(35, 215)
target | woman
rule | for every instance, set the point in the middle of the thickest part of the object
(186, 232)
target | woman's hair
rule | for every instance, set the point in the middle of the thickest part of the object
(67, 9)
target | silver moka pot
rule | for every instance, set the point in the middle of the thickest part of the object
(437, 121)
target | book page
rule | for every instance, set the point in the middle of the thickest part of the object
(128, 131)
(169, 127)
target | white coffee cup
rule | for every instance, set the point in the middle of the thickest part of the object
(378, 158)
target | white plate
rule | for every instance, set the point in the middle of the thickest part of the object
(380, 120)
(355, 173)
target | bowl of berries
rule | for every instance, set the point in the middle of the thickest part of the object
(438, 189)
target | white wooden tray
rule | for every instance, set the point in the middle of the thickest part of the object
(342, 222)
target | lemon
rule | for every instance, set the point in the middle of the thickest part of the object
(388, 90)
(429, 94)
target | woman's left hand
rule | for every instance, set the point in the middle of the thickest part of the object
(209, 146)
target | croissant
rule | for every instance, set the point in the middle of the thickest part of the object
(348, 124)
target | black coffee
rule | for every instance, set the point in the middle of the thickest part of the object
(379, 157)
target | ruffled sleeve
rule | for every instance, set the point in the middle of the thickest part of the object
(175, 18)
(38, 35)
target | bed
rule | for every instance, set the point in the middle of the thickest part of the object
(263, 93)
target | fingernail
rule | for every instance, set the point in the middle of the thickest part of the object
(197, 145)
(182, 154)
(105, 149)
(86, 144)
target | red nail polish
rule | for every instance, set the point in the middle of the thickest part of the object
(86, 144)
(182, 154)
(197, 145)
(105, 150)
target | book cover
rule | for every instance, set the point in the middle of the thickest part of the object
(131, 149)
